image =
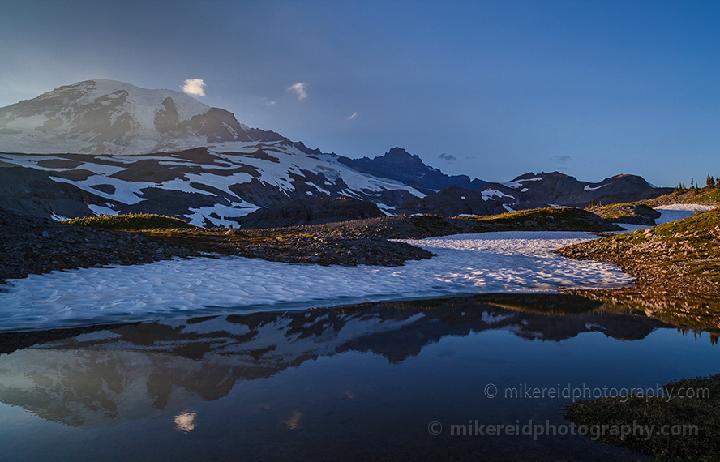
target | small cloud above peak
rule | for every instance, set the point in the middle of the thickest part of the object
(447, 157)
(352, 116)
(194, 87)
(562, 161)
(299, 89)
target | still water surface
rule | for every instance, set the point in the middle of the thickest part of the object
(374, 381)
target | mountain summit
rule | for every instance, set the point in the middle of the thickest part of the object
(111, 117)
(400, 165)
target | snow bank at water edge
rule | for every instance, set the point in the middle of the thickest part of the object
(490, 262)
(670, 213)
(674, 212)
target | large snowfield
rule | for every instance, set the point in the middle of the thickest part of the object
(490, 262)
(465, 263)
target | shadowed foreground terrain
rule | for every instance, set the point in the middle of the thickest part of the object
(36, 246)
(701, 411)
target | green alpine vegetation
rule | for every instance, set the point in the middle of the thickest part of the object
(131, 222)
(694, 410)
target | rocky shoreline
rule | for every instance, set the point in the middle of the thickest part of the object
(676, 266)
(37, 246)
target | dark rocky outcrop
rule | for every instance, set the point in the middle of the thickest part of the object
(398, 164)
(35, 245)
(219, 125)
(32, 192)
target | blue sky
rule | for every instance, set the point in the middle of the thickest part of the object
(495, 88)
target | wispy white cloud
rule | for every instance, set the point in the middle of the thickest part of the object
(300, 90)
(352, 116)
(194, 87)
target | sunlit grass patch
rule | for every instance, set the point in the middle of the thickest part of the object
(131, 222)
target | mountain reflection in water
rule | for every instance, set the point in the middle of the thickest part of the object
(98, 377)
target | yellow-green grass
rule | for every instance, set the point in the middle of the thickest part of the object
(706, 195)
(131, 222)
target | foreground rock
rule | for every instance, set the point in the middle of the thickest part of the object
(36, 246)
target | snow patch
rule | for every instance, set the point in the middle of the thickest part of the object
(687, 207)
(470, 263)
(488, 194)
(595, 188)
(219, 214)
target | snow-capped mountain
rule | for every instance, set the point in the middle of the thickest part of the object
(208, 186)
(111, 117)
(105, 147)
